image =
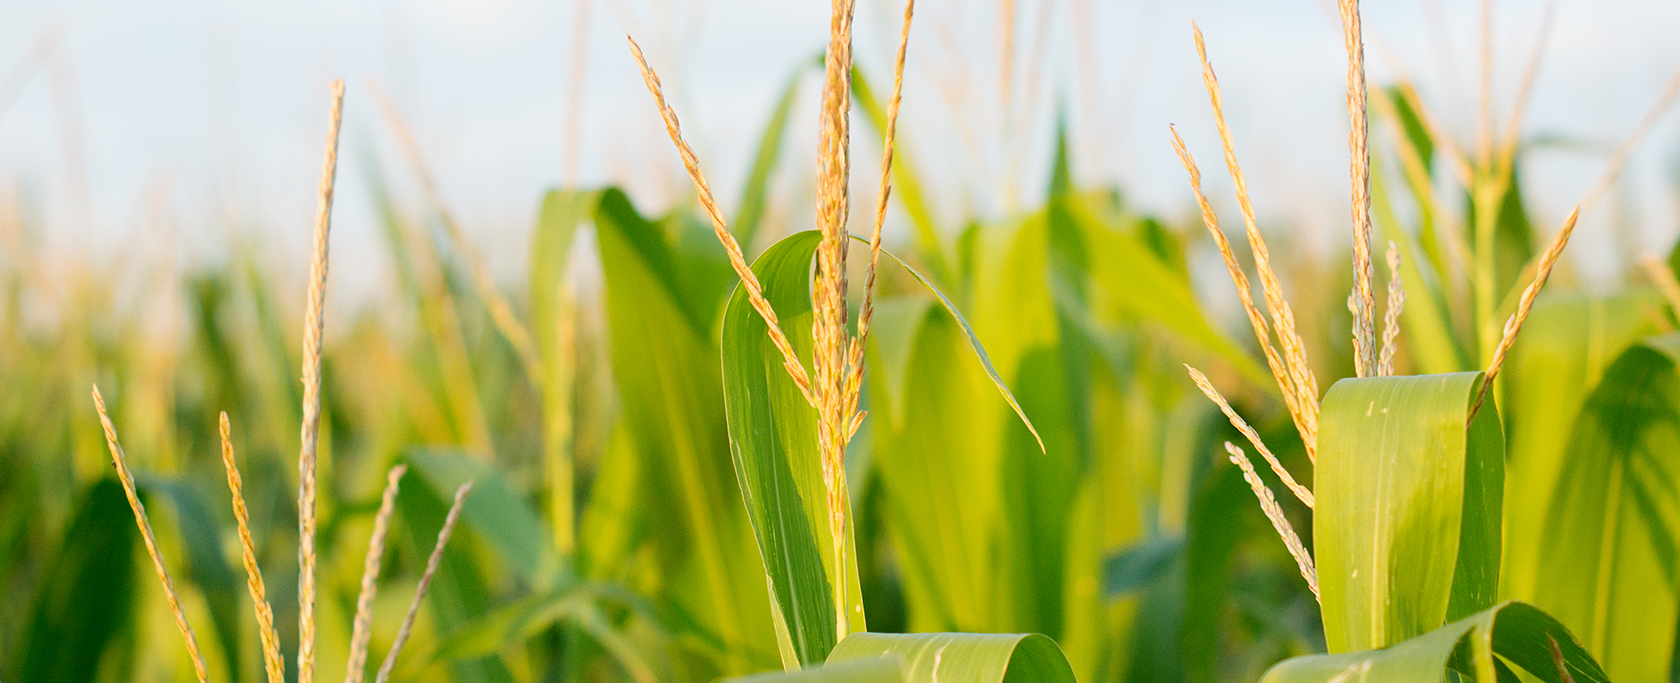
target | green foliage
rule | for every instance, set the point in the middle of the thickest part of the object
(1407, 522)
(931, 657)
(1486, 646)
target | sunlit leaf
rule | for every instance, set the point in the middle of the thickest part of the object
(1481, 647)
(1406, 530)
(975, 657)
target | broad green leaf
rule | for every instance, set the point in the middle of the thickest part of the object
(773, 443)
(970, 657)
(754, 197)
(1406, 529)
(1606, 563)
(498, 514)
(1480, 647)
(86, 603)
(882, 670)
(666, 284)
(579, 605)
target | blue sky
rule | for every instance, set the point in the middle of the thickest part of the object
(197, 115)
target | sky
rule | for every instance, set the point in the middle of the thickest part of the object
(137, 129)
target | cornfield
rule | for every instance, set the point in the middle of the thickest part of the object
(1021, 449)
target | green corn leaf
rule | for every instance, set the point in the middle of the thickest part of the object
(1417, 155)
(524, 618)
(1406, 529)
(932, 657)
(551, 316)
(754, 197)
(86, 603)
(971, 657)
(1133, 280)
(773, 443)
(1483, 647)
(1605, 562)
(939, 458)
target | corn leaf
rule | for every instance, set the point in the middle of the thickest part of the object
(207, 568)
(1426, 319)
(972, 657)
(931, 657)
(1140, 565)
(1482, 647)
(551, 316)
(1608, 528)
(773, 444)
(938, 454)
(1131, 279)
(1407, 525)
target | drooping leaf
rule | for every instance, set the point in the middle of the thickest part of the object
(1480, 647)
(974, 657)
(1406, 530)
